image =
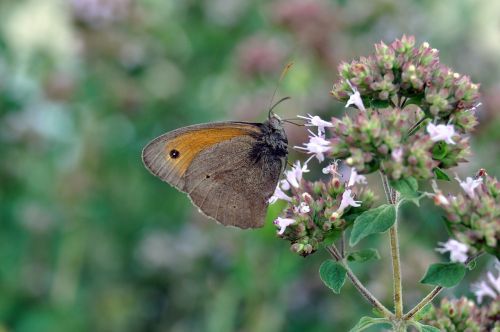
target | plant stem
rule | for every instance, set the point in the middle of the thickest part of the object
(392, 198)
(426, 300)
(396, 270)
(432, 295)
(357, 283)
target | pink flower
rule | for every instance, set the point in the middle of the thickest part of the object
(469, 185)
(283, 223)
(355, 98)
(294, 175)
(279, 194)
(490, 287)
(457, 250)
(347, 200)
(316, 121)
(441, 132)
(316, 146)
(355, 178)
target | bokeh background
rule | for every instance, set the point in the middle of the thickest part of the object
(90, 241)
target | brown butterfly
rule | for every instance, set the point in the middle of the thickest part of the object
(228, 169)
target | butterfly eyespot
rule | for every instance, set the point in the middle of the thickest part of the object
(174, 154)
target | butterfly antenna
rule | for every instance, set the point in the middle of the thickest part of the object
(283, 74)
(291, 122)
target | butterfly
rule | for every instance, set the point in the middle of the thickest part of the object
(228, 169)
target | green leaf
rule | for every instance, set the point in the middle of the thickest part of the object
(439, 150)
(444, 274)
(333, 275)
(407, 187)
(365, 322)
(377, 103)
(440, 174)
(363, 255)
(416, 100)
(373, 221)
(427, 309)
(332, 236)
(424, 328)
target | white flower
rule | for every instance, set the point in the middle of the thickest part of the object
(397, 155)
(482, 289)
(347, 200)
(355, 178)
(469, 185)
(441, 132)
(490, 287)
(294, 175)
(284, 184)
(332, 168)
(355, 98)
(317, 146)
(283, 223)
(457, 250)
(279, 194)
(302, 208)
(316, 121)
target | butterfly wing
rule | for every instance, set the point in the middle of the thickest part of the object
(212, 163)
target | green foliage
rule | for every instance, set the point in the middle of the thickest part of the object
(365, 322)
(377, 220)
(407, 187)
(364, 255)
(441, 175)
(333, 275)
(444, 274)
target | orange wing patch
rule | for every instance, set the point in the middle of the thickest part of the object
(181, 150)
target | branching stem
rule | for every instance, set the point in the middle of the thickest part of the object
(334, 252)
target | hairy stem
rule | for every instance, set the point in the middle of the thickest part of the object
(432, 295)
(396, 270)
(392, 198)
(334, 252)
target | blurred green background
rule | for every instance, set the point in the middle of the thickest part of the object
(90, 241)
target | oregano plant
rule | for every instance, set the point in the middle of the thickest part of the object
(411, 123)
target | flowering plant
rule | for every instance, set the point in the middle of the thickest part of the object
(411, 125)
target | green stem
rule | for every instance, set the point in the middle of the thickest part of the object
(392, 198)
(334, 252)
(396, 270)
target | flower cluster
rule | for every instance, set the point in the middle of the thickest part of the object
(415, 73)
(418, 113)
(473, 216)
(380, 140)
(464, 315)
(321, 210)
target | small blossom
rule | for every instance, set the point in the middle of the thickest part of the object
(355, 178)
(332, 168)
(294, 175)
(302, 208)
(279, 194)
(284, 184)
(438, 196)
(347, 200)
(317, 146)
(355, 98)
(482, 289)
(283, 223)
(397, 155)
(441, 132)
(457, 250)
(469, 185)
(316, 121)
